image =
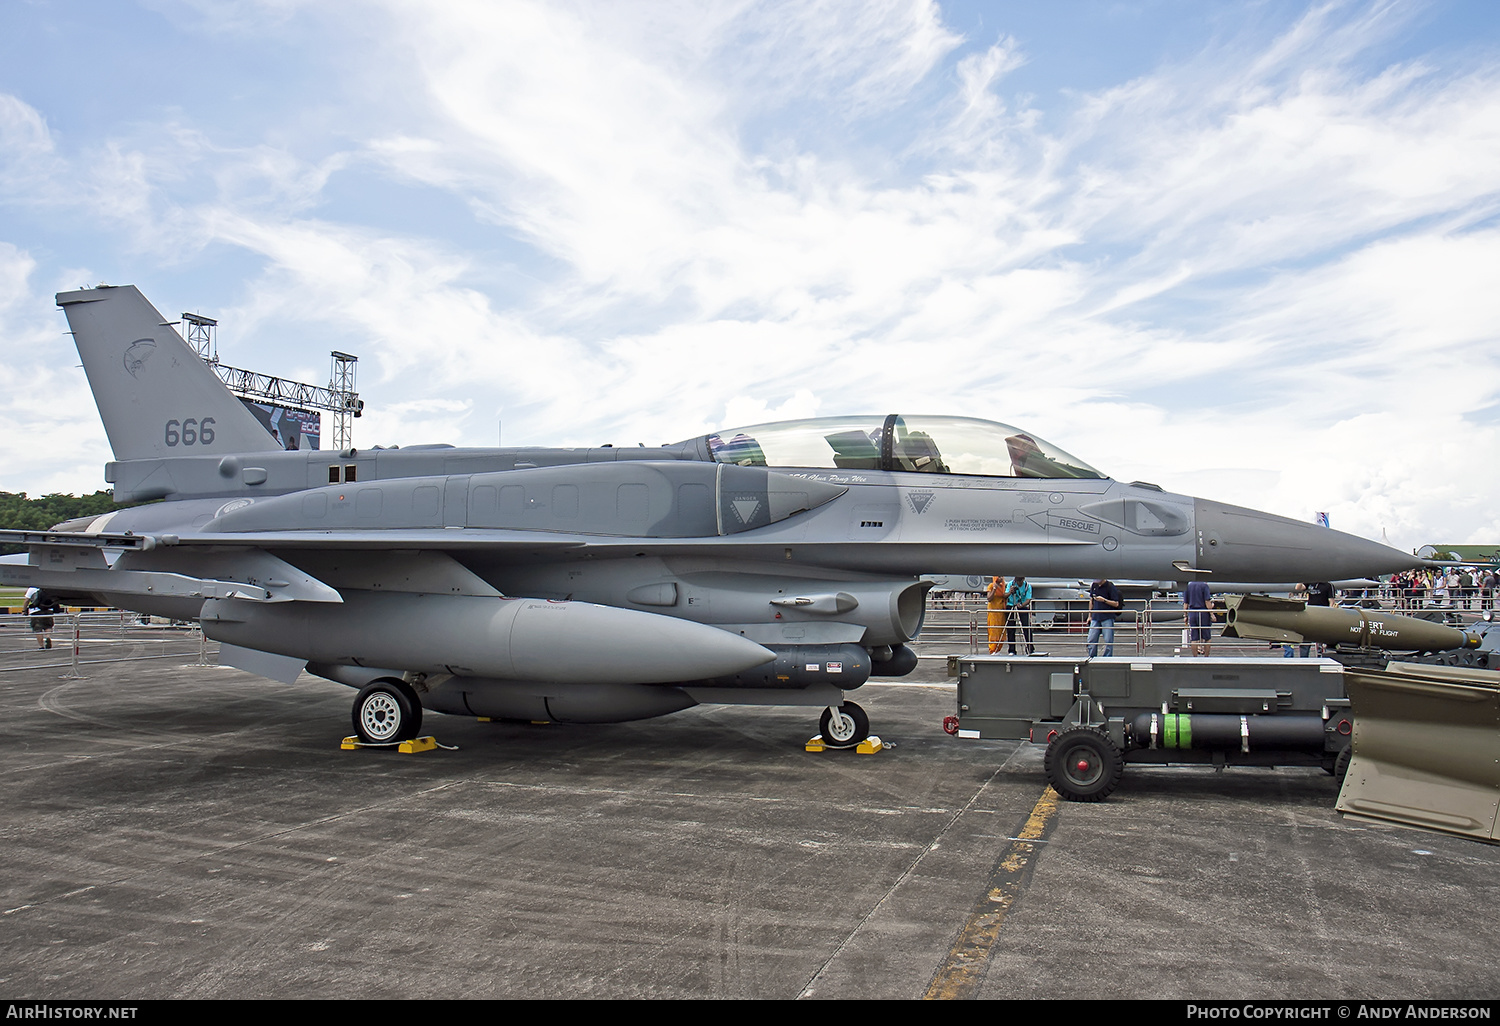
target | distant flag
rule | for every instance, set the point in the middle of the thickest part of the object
(1321, 519)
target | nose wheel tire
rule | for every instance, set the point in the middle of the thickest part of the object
(1084, 765)
(844, 727)
(387, 712)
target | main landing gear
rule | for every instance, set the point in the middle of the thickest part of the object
(386, 712)
(845, 726)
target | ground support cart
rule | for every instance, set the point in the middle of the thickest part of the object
(1096, 715)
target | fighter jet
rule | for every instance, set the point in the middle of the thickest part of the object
(772, 564)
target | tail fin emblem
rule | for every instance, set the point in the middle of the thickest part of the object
(137, 353)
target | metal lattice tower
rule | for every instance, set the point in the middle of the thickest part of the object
(200, 335)
(346, 399)
(339, 397)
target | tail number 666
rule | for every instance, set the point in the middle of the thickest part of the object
(191, 431)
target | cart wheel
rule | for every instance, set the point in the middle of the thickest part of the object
(1341, 764)
(950, 724)
(1084, 765)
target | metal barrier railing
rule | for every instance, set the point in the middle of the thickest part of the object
(1157, 625)
(1058, 626)
(953, 624)
(1474, 599)
(81, 639)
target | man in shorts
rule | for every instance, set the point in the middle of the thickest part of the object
(41, 607)
(1195, 603)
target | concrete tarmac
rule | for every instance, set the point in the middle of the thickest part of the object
(175, 831)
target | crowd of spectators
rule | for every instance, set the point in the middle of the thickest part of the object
(1455, 587)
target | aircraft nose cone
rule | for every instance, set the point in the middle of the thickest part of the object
(1240, 544)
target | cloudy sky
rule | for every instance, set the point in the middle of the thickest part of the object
(1243, 250)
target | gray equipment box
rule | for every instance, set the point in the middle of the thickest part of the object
(1095, 715)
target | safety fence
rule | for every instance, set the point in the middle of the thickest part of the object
(1056, 627)
(954, 624)
(1475, 599)
(79, 639)
(1060, 627)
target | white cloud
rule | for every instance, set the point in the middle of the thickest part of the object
(23, 130)
(679, 217)
(855, 59)
(47, 449)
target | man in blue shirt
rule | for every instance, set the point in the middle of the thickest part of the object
(1104, 606)
(1018, 601)
(1195, 602)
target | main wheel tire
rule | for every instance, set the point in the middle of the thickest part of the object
(847, 730)
(1084, 765)
(387, 712)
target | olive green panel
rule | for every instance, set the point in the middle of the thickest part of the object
(1426, 748)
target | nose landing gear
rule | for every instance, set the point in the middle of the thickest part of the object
(845, 726)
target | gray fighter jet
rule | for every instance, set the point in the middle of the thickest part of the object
(774, 564)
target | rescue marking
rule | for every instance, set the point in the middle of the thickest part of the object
(960, 973)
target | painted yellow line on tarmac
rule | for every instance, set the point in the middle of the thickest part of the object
(962, 970)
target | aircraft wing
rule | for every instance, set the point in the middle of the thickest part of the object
(436, 538)
(430, 539)
(208, 566)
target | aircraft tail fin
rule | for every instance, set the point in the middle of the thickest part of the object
(156, 396)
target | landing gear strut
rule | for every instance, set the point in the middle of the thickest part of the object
(844, 727)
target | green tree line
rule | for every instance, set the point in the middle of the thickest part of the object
(19, 513)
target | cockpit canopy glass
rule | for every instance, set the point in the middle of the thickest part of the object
(928, 445)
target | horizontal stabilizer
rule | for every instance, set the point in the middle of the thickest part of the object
(72, 563)
(79, 540)
(124, 583)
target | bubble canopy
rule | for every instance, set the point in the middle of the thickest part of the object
(925, 445)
